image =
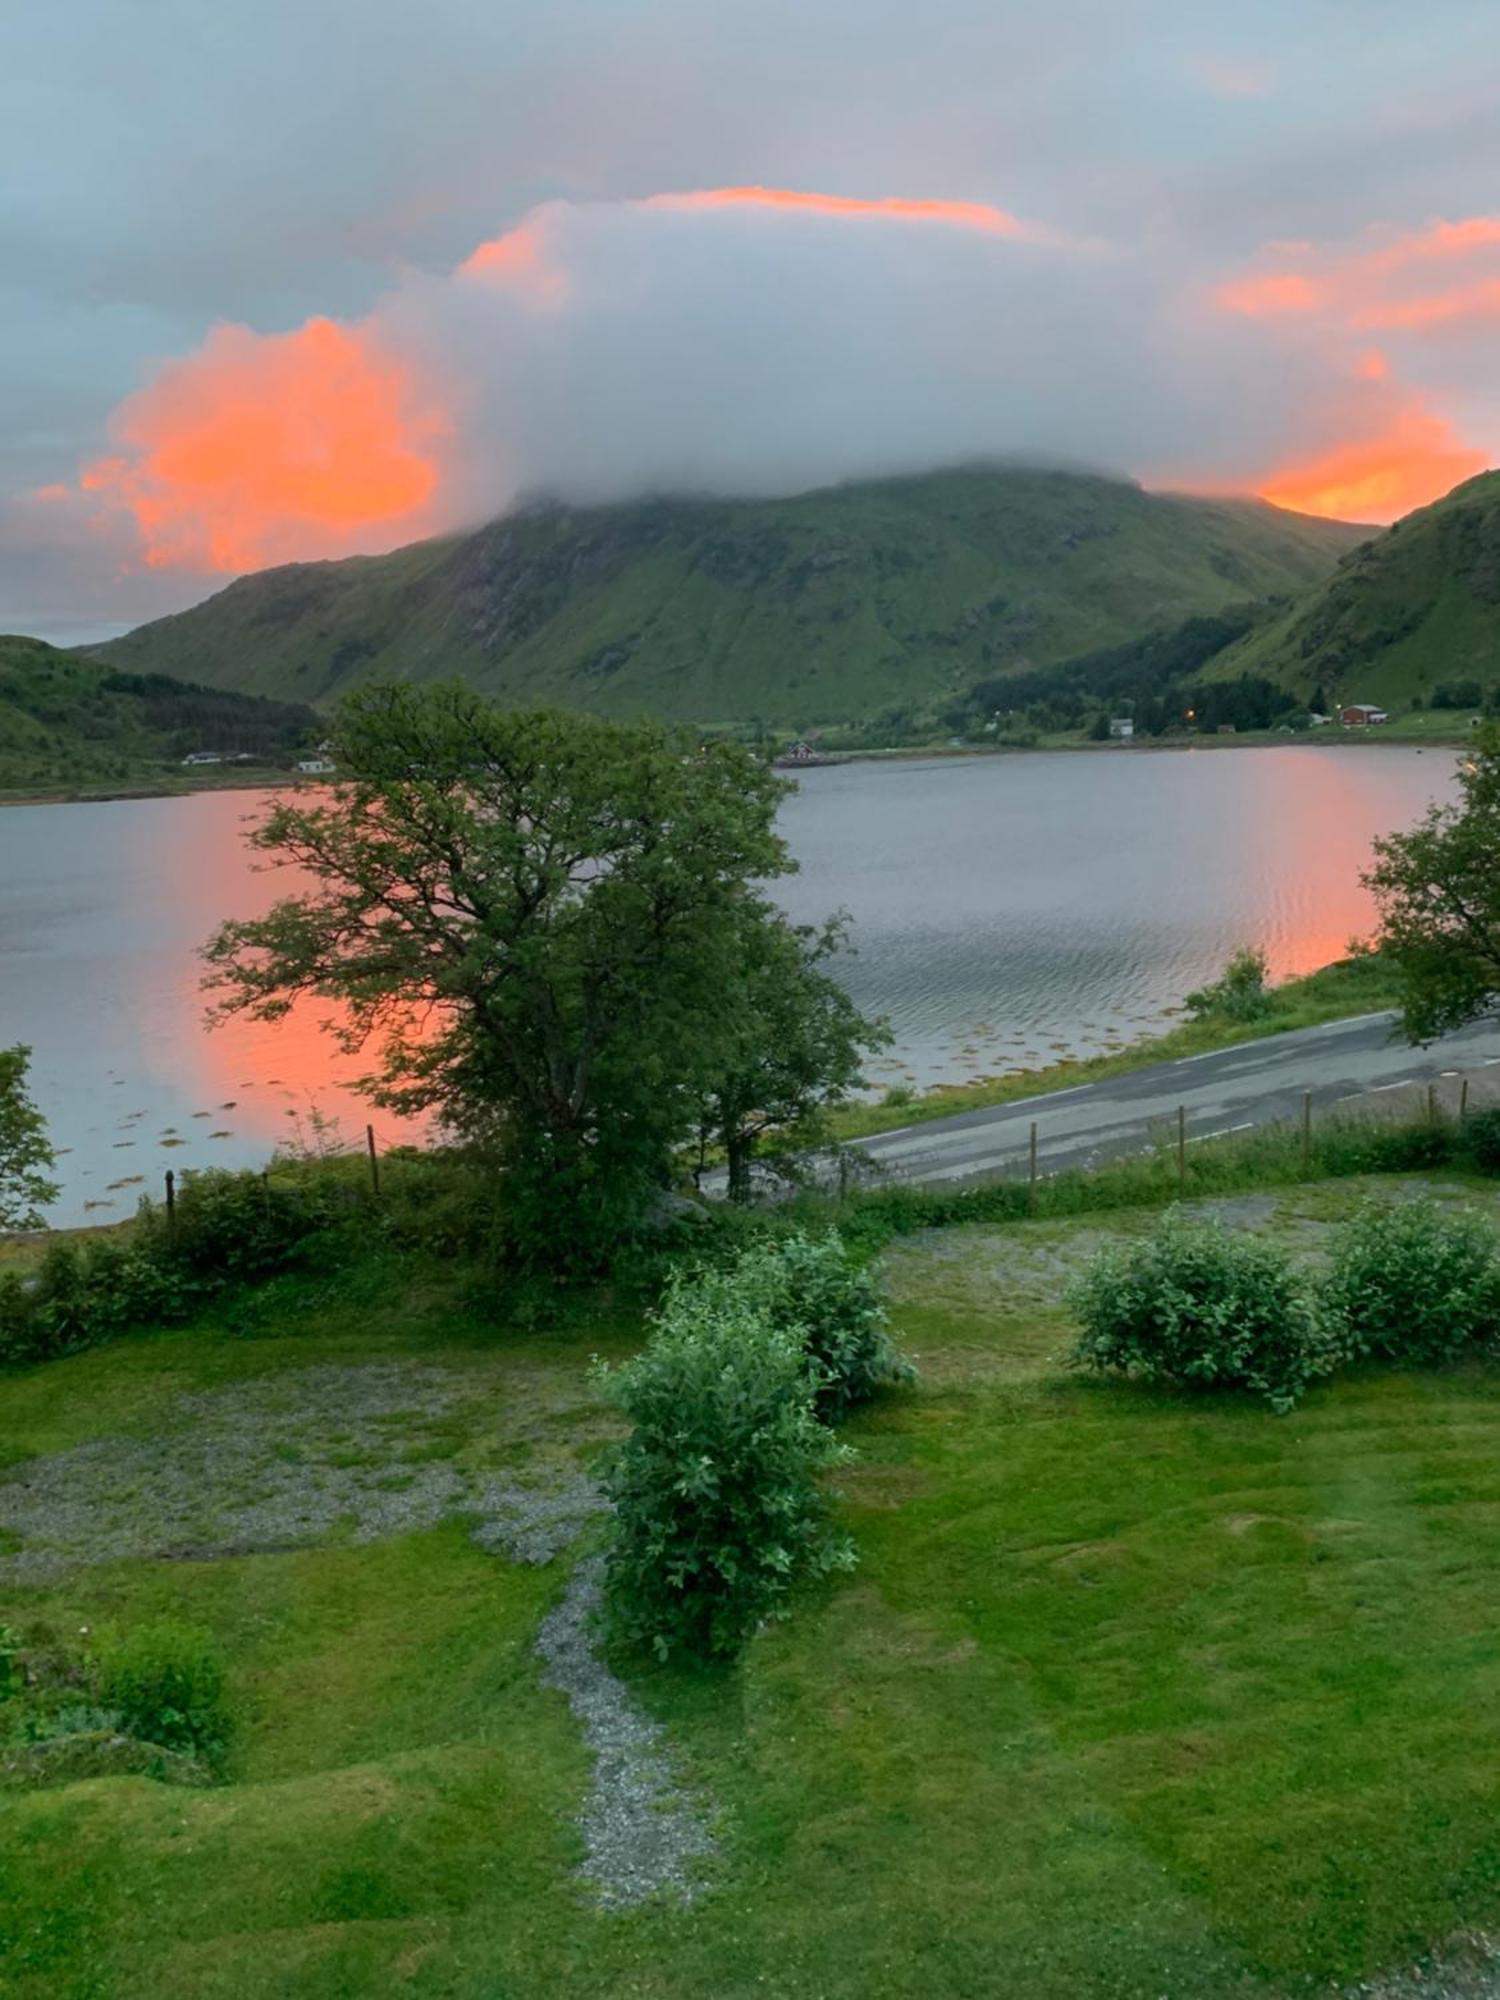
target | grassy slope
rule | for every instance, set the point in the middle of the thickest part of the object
(1348, 987)
(1417, 606)
(831, 606)
(65, 725)
(1130, 1695)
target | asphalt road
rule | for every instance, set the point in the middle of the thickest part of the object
(1230, 1090)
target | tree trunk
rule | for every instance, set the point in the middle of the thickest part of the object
(739, 1152)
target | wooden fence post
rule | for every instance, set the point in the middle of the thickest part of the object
(374, 1160)
(1463, 1100)
(1306, 1131)
(1181, 1147)
(1031, 1192)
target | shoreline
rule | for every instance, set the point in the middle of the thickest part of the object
(1257, 740)
(126, 793)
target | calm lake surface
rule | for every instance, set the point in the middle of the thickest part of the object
(1006, 911)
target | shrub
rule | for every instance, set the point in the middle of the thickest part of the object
(1411, 1283)
(717, 1510)
(239, 1225)
(1240, 993)
(82, 1294)
(1193, 1305)
(18, 1328)
(166, 1682)
(1481, 1140)
(808, 1287)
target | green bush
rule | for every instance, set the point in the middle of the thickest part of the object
(809, 1287)
(83, 1293)
(240, 1225)
(717, 1509)
(166, 1683)
(1410, 1282)
(1196, 1306)
(1240, 993)
(1481, 1140)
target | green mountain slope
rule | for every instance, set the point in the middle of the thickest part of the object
(67, 722)
(832, 606)
(1416, 607)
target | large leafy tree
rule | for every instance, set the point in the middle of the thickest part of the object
(26, 1157)
(794, 1051)
(535, 922)
(1438, 888)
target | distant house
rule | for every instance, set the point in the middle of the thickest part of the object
(315, 767)
(1361, 714)
(1316, 721)
(800, 753)
(204, 757)
(1122, 726)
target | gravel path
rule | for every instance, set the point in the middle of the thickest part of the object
(642, 1833)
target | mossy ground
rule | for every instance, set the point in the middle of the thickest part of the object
(1131, 1694)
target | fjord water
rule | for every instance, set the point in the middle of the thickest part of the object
(1006, 911)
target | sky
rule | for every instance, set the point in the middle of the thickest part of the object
(311, 278)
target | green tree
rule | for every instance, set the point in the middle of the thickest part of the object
(536, 922)
(795, 1043)
(26, 1157)
(1438, 891)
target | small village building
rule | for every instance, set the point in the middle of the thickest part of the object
(1122, 727)
(204, 757)
(315, 767)
(1361, 714)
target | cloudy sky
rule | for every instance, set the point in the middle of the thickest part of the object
(310, 277)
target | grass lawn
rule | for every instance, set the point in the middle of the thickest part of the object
(1131, 1694)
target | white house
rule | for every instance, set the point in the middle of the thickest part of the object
(315, 767)
(1122, 726)
(204, 757)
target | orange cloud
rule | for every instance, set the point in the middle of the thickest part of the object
(1413, 462)
(519, 259)
(1387, 287)
(268, 448)
(959, 214)
(1264, 298)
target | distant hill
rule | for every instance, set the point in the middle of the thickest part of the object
(1414, 610)
(832, 606)
(69, 722)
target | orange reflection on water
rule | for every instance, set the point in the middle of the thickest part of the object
(1309, 842)
(270, 1082)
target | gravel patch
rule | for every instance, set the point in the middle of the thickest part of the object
(265, 1466)
(1467, 1969)
(534, 1524)
(642, 1834)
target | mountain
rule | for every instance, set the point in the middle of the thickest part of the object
(1415, 610)
(831, 606)
(67, 722)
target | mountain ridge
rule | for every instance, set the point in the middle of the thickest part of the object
(1412, 609)
(839, 603)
